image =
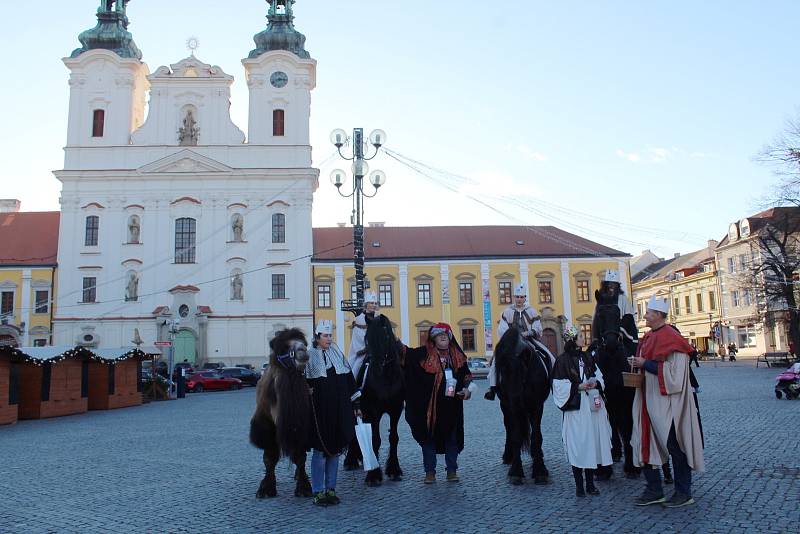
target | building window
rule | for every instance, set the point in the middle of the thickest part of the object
(742, 261)
(89, 289)
(746, 299)
(735, 298)
(468, 339)
(583, 291)
(504, 291)
(586, 330)
(465, 293)
(323, 296)
(98, 122)
(676, 306)
(746, 336)
(699, 302)
(639, 312)
(92, 230)
(712, 301)
(385, 295)
(545, 292)
(687, 299)
(41, 342)
(279, 286)
(731, 264)
(278, 122)
(42, 302)
(423, 294)
(278, 228)
(7, 306)
(185, 240)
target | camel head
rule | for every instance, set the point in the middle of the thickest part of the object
(289, 349)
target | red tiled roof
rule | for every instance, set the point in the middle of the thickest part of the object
(433, 242)
(29, 238)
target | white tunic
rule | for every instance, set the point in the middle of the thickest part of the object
(586, 434)
(357, 344)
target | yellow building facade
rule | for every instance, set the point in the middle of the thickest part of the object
(469, 292)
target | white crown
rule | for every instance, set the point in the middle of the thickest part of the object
(520, 290)
(658, 304)
(324, 327)
(612, 275)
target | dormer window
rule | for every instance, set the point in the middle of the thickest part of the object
(98, 122)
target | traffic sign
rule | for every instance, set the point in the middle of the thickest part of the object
(163, 343)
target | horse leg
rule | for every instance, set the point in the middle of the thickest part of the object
(393, 470)
(514, 442)
(539, 471)
(374, 477)
(508, 453)
(353, 456)
(268, 486)
(302, 486)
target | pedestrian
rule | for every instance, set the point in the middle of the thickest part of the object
(334, 410)
(577, 390)
(666, 422)
(437, 384)
(694, 355)
(732, 351)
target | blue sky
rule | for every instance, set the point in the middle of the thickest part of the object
(645, 114)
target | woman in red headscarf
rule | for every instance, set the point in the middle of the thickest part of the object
(437, 384)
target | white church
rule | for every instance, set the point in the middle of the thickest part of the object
(173, 222)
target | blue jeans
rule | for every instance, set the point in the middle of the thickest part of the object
(680, 467)
(323, 471)
(450, 454)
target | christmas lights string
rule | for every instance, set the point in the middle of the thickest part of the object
(76, 352)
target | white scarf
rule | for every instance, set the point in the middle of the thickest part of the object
(319, 361)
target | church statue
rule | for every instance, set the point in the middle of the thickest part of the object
(189, 134)
(236, 287)
(132, 289)
(133, 230)
(238, 228)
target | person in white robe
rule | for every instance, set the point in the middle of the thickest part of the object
(585, 431)
(358, 345)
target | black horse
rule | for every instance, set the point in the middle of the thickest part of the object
(382, 392)
(523, 385)
(615, 340)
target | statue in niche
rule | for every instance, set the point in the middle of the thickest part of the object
(133, 230)
(238, 228)
(189, 133)
(236, 287)
(132, 288)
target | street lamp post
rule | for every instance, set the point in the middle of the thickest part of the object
(174, 328)
(377, 178)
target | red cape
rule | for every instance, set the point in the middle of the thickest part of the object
(658, 344)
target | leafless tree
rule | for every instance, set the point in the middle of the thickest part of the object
(783, 155)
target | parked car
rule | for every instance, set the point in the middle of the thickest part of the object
(264, 367)
(245, 366)
(247, 376)
(478, 367)
(213, 365)
(211, 380)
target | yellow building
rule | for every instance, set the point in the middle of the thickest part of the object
(691, 286)
(27, 273)
(462, 275)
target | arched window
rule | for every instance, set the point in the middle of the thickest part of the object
(98, 122)
(92, 231)
(185, 240)
(278, 228)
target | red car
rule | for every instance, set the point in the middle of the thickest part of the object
(211, 380)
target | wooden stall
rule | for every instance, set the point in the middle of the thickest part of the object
(52, 381)
(8, 386)
(115, 378)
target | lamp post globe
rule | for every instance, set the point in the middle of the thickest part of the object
(338, 137)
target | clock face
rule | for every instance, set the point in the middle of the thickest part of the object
(183, 311)
(279, 79)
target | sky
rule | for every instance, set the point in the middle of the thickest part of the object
(633, 124)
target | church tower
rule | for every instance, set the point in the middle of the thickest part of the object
(108, 82)
(280, 76)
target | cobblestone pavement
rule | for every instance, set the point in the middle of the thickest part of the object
(186, 466)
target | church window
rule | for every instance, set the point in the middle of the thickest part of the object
(98, 122)
(89, 289)
(278, 122)
(279, 286)
(92, 230)
(279, 228)
(185, 240)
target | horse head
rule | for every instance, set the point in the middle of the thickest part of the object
(289, 350)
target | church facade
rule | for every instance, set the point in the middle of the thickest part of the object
(175, 223)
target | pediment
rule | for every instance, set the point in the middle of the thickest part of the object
(185, 161)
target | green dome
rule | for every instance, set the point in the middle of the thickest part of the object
(280, 33)
(111, 32)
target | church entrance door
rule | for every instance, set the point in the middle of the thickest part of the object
(185, 347)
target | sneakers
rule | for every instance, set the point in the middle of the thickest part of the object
(332, 498)
(321, 499)
(677, 500)
(452, 476)
(430, 477)
(649, 497)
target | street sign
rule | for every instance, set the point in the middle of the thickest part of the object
(163, 343)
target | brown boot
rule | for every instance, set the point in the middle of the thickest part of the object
(430, 477)
(452, 476)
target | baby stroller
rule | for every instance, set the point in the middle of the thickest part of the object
(788, 382)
